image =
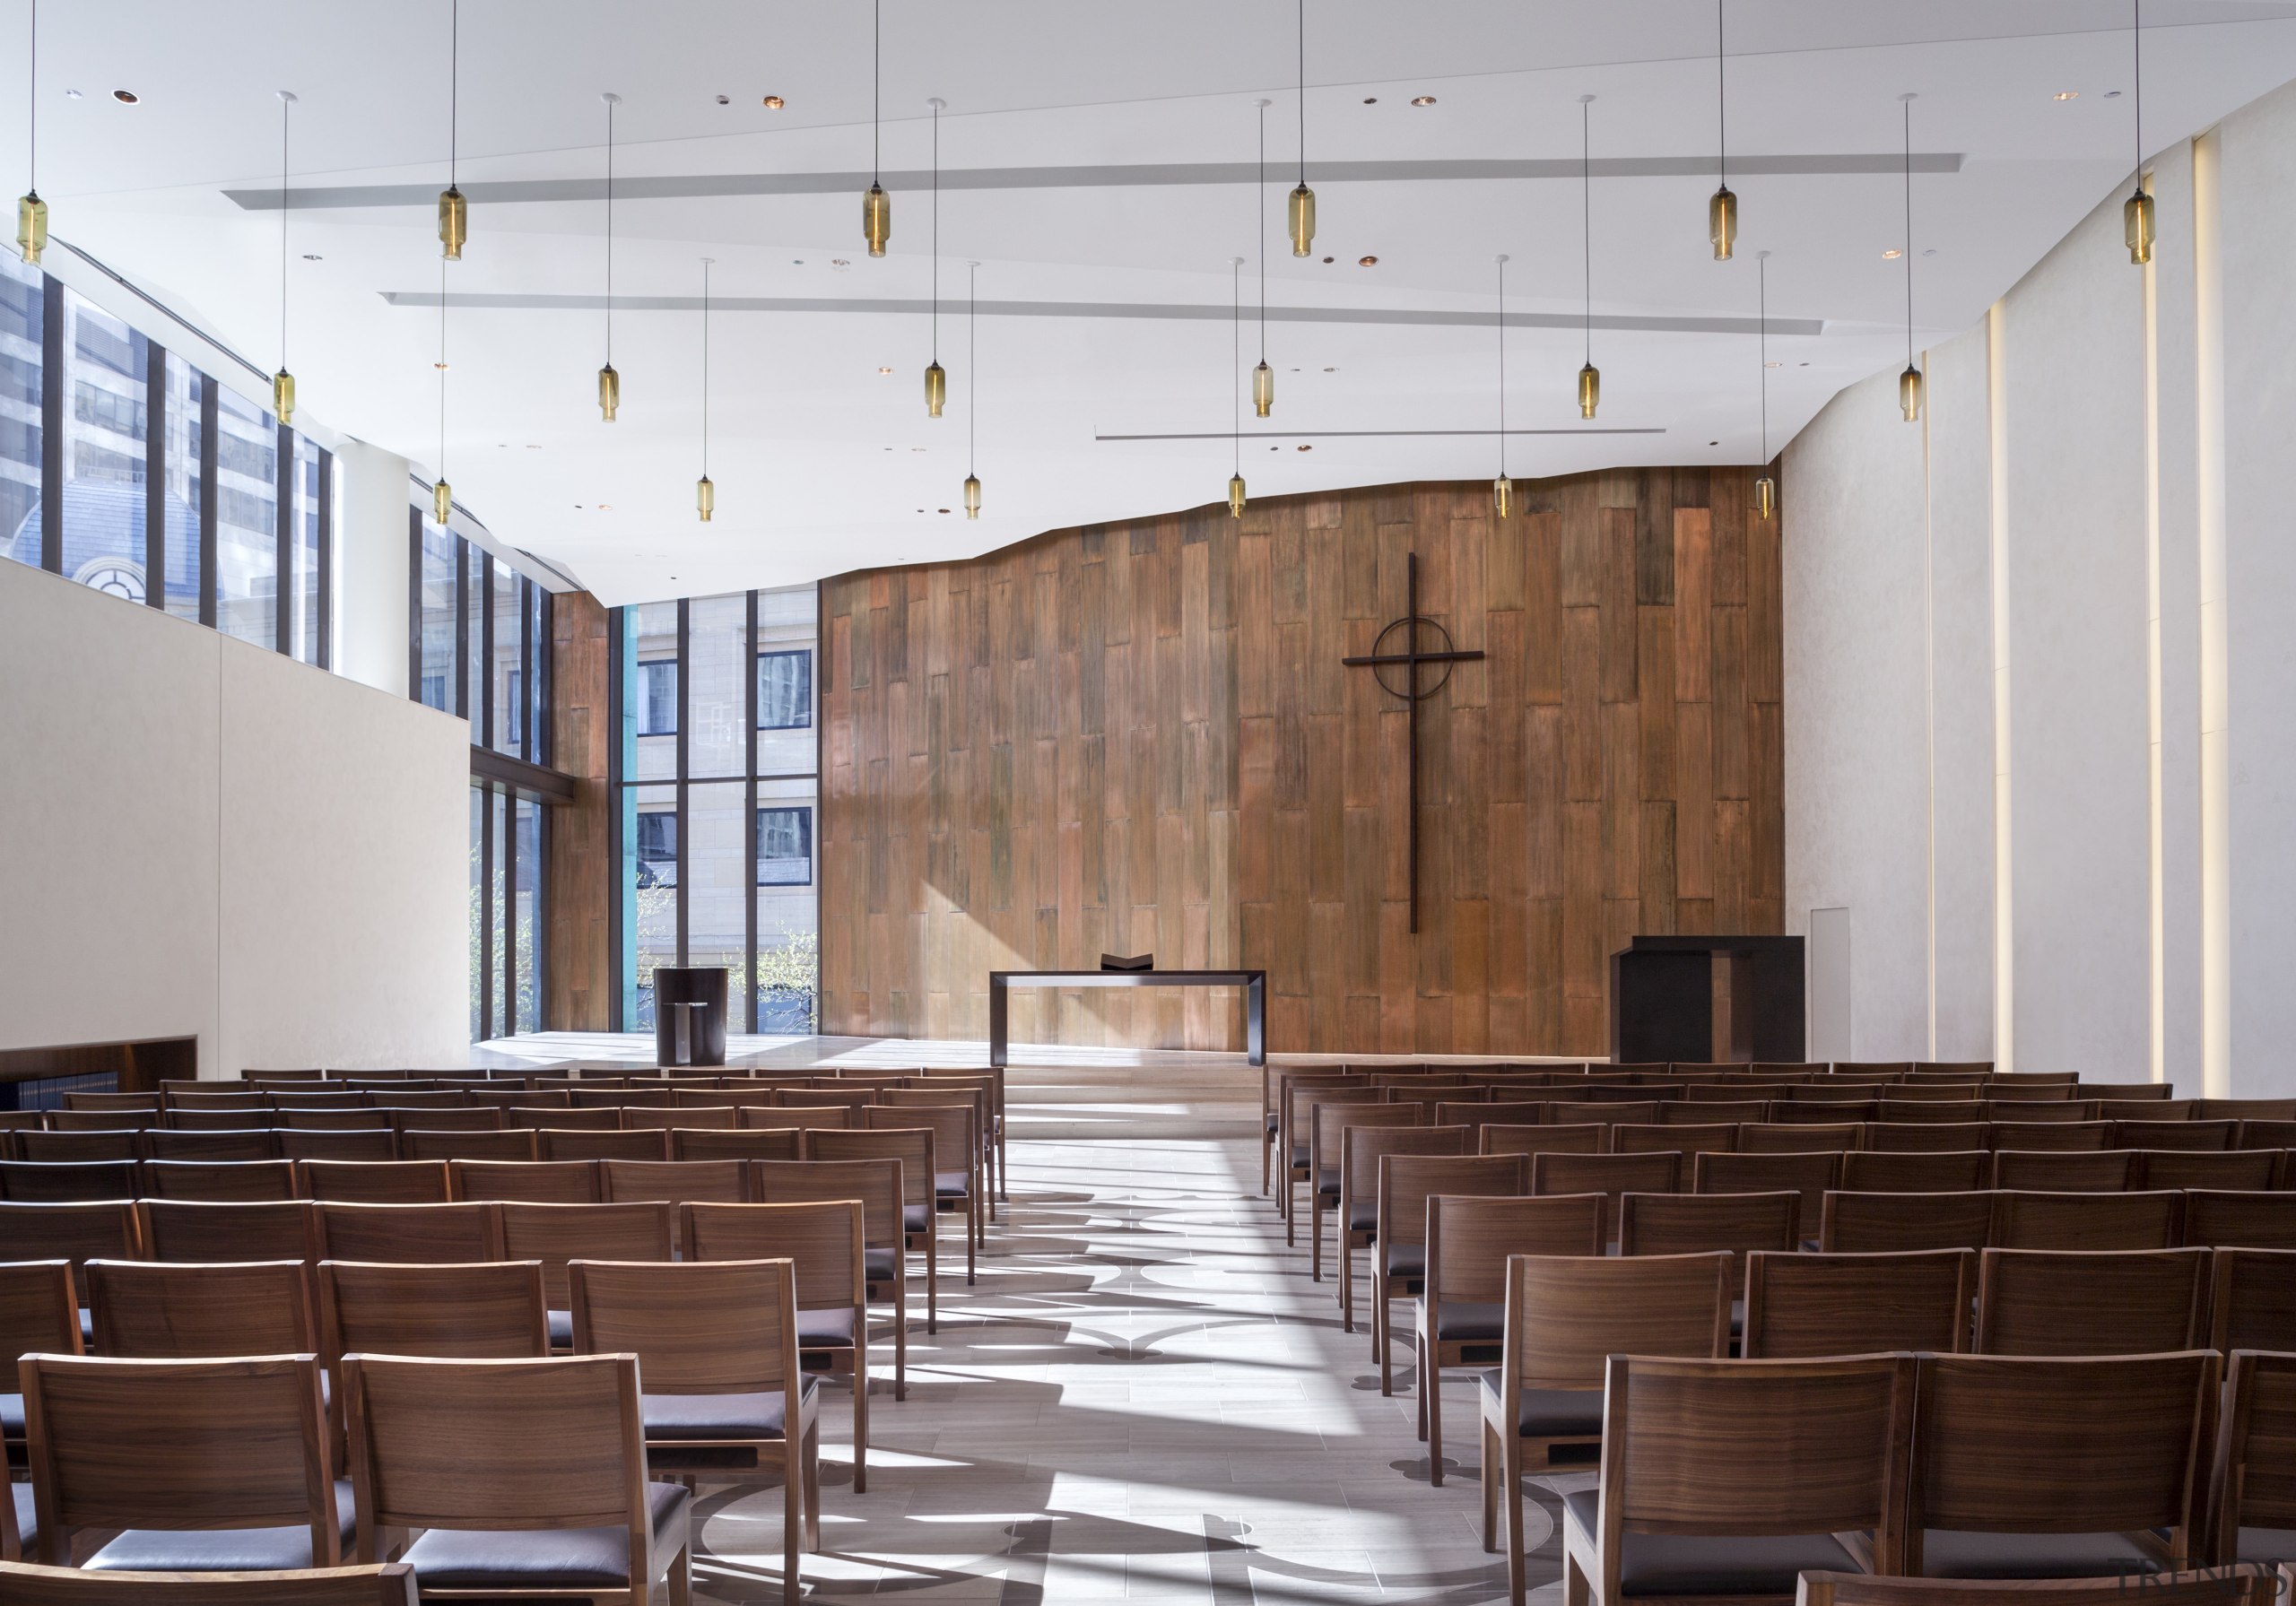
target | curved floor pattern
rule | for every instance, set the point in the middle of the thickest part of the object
(1144, 1399)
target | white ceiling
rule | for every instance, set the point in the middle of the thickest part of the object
(822, 465)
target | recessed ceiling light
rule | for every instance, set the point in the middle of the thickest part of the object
(1932, 251)
(1367, 262)
(1773, 365)
(724, 100)
(71, 94)
(885, 371)
(1306, 448)
(838, 262)
(1714, 443)
(126, 97)
(1331, 371)
(945, 509)
(775, 103)
(313, 257)
(1422, 100)
(2067, 95)
(1892, 255)
(605, 507)
(1327, 260)
(2112, 94)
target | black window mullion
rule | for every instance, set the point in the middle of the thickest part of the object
(617, 666)
(509, 912)
(546, 681)
(749, 813)
(282, 601)
(484, 719)
(542, 830)
(526, 669)
(53, 379)
(155, 475)
(414, 602)
(323, 626)
(462, 627)
(210, 411)
(486, 911)
(684, 837)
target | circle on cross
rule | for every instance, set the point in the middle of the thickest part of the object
(1412, 656)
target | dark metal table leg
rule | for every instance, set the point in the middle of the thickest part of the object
(1256, 1023)
(996, 1020)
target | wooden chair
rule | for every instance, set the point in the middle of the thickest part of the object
(2254, 1170)
(664, 1118)
(2205, 1587)
(377, 1182)
(71, 1120)
(2219, 1219)
(2065, 1135)
(2047, 1468)
(2064, 1171)
(848, 1098)
(1297, 1094)
(555, 1234)
(79, 1148)
(957, 1189)
(1809, 1175)
(1683, 1137)
(106, 1229)
(2161, 1133)
(135, 1103)
(1672, 1512)
(2091, 1302)
(39, 1314)
(530, 1181)
(2256, 1133)
(800, 1117)
(1694, 1223)
(1274, 1083)
(241, 1098)
(725, 1392)
(2252, 1299)
(204, 1231)
(528, 1477)
(1917, 1171)
(218, 1179)
(169, 1310)
(194, 1466)
(827, 1242)
(582, 1143)
(1459, 1319)
(24, 1584)
(506, 1146)
(676, 1182)
(2252, 1498)
(561, 1117)
(945, 1091)
(1500, 1137)
(66, 1182)
(878, 1185)
(1543, 1407)
(709, 1143)
(990, 1079)
(1854, 1223)
(350, 1118)
(372, 1146)
(1362, 1153)
(1613, 1175)
(1916, 1137)
(219, 1147)
(1328, 1124)
(1916, 1112)
(920, 1220)
(1774, 1137)
(1405, 1182)
(2026, 1220)
(1799, 1306)
(410, 1234)
(464, 1311)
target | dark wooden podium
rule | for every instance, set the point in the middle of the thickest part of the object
(1664, 992)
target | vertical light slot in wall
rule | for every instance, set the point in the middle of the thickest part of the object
(2158, 912)
(1929, 715)
(2215, 660)
(2004, 932)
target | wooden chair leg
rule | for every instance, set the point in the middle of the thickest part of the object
(1517, 1568)
(1576, 1588)
(900, 1331)
(1430, 1394)
(792, 1515)
(931, 1273)
(973, 1249)
(1419, 1354)
(861, 1416)
(813, 1475)
(1267, 1154)
(1490, 1489)
(1379, 1338)
(1315, 1233)
(1346, 1279)
(681, 1579)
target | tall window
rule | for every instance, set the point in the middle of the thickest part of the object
(22, 360)
(716, 767)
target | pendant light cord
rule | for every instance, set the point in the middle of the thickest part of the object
(2136, 50)
(1909, 231)
(972, 370)
(31, 102)
(1587, 214)
(454, 90)
(609, 230)
(1721, 104)
(1761, 281)
(1303, 92)
(442, 368)
(936, 228)
(1502, 367)
(1236, 358)
(705, 367)
(1259, 219)
(285, 104)
(876, 87)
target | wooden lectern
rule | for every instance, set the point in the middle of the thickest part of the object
(1704, 1000)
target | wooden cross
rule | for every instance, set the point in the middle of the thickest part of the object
(1411, 657)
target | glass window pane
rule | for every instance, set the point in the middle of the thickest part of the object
(788, 948)
(785, 846)
(498, 923)
(717, 890)
(303, 618)
(247, 519)
(104, 431)
(503, 678)
(180, 491)
(528, 918)
(477, 908)
(784, 690)
(653, 925)
(437, 688)
(21, 325)
(717, 702)
(653, 690)
(473, 659)
(786, 625)
(533, 719)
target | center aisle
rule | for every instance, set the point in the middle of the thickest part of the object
(1144, 1398)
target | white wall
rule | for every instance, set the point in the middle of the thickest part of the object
(212, 841)
(2041, 534)
(370, 559)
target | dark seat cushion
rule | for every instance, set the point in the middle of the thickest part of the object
(950, 1184)
(671, 1416)
(561, 1324)
(819, 1328)
(879, 1265)
(12, 1416)
(1554, 1412)
(1699, 1564)
(1268, 1122)
(1461, 1320)
(1327, 1182)
(27, 1519)
(1959, 1553)
(220, 1550)
(2267, 1544)
(1364, 1216)
(916, 1217)
(546, 1558)
(1406, 1260)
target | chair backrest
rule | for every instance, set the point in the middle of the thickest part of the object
(1566, 1314)
(2256, 1132)
(531, 1182)
(955, 1129)
(1612, 1174)
(756, 1144)
(1813, 1304)
(2220, 1219)
(2097, 1444)
(2027, 1219)
(1853, 1223)
(1330, 1120)
(66, 1182)
(581, 1143)
(39, 1313)
(1688, 1223)
(802, 1117)
(2091, 1302)
(2064, 1171)
(2051, 1134)
(107, 1230)
(410, 1234)
(911, 1146)
(79, 1148)
(1692, 1111)
(334, 1118)
(247, 1144)
(1365, 1147)
(824, 1237)
(555, 1234)
(1798, 1137)
(2256, 1472)
(1676, 1433)
(2252, 1299)
(203, 1231)
(676, 1182)
(561, 1117)
(233, 1442)
(2152, 1132)
(219, 1179)
(878, 1184)
(488, 1308)
(1931, 1090)
(1809, 1175)
(1470, 1238)
(241, 1099)
(1920, 1137)
(27, 1584)
(508, 1144)
(374, 1182)
(1685, 1138)
(175, 1310)
(499, 1444)
(1507, 1137)
(697, 1327)
(370, 1144)
(693, 1117)
(1403, 1184)
(134, 1102)
(1917, 1171)
(848, 1098)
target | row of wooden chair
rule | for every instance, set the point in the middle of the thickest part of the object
(386, 1583)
